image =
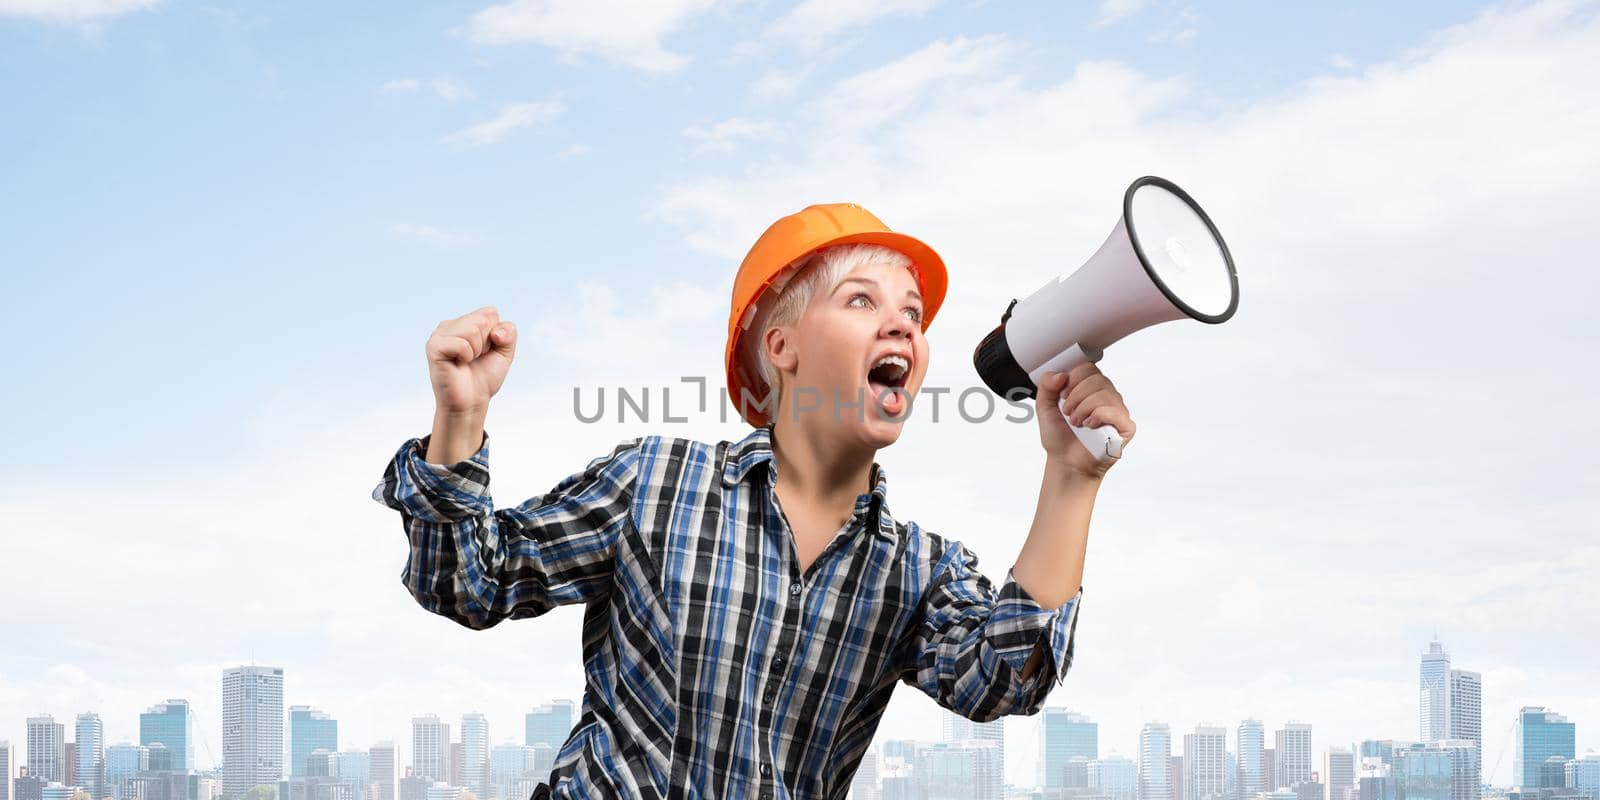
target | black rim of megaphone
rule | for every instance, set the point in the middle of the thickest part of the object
(1138, 249)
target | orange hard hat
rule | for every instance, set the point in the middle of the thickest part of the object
(787, 241)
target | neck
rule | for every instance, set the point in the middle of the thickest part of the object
(809, 465)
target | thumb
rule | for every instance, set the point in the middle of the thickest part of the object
(503, 339)
(1048, 394)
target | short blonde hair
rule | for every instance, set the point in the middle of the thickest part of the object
(793, 290)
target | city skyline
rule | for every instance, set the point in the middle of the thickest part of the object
(1445, 710)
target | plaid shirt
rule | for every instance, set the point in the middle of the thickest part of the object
(713, 667)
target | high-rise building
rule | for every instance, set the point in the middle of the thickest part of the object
(1269, 769)
(123, 761)
(430, 748)
(1373, 778)
(1155, 755)
(354, 767)
(382, 768)
(508, 764)
(1062, 735)
(1582, 774)
(310, 729)
(1293, 754)
(1252, 746)
(90, 735)
(1422, 771)
(1114, 777)
(958, 728)
(1339, 773)
(1175, 774)
(170, 724)
(47, 749)
(475, 754)
(967, 770)
(1204, 763)
(549, 724)
(8, 769)
(455, 765)
(252, 729)
(1541, 733)
(864, 784)
(1434, 694)
(1466, 715)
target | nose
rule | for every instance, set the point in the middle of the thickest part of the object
(898, 325)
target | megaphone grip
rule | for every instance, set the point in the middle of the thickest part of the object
(1103, 441)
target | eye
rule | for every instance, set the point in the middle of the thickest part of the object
(858, 296)
(915, 314)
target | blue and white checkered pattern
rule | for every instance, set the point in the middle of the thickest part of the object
(713, 667)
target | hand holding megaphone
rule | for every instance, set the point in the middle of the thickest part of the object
(1164, 260)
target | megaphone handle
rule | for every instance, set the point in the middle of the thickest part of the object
(1102, 440)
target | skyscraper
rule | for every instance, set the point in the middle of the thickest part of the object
(1062, 735)
(1252, 744)
(1339, 773)
(1204, 759)
(1293, 754)
(310, 730)
(123, 761)
(8, 769)
(430, 748)
(252, 729)
(475, 754)
(1155, 754)
(47, 749)
(169, 724)
(1434, 693)
(1541, 733)
(90, 735)
(958, 728)
(549, 724)
(1466, 715)
(1115, 777)
(382, 767)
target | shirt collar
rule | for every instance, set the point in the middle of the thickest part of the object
(756, 449)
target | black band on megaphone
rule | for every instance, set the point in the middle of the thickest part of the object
(999, 368)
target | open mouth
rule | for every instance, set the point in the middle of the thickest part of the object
(888, 372)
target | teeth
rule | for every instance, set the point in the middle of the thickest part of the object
(898, 362)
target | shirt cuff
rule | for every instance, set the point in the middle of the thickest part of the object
(436, 492)
(1019, 624)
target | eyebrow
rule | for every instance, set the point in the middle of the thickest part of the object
(873, 283)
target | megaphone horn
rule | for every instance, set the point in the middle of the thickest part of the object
(1164, 260)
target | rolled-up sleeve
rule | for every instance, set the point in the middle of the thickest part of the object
(970, 642)
(477, 565)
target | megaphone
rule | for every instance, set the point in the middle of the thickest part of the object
(1164, 260)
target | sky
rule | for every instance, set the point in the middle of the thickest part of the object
(227, 231)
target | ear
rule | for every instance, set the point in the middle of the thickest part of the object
(779, 344)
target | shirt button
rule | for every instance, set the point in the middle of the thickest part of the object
(794, 589)
(767, 698)
(766, 771)
(778, 662)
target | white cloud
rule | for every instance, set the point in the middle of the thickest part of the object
(1181, 29)
(512, 117)
(776, 83)
(1114, 11)
(625, 33)
(726, 135)
(73, 12)
(813, 22)
(445, 88)
(437, 237)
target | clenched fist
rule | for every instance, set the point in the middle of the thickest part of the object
(467, 360)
